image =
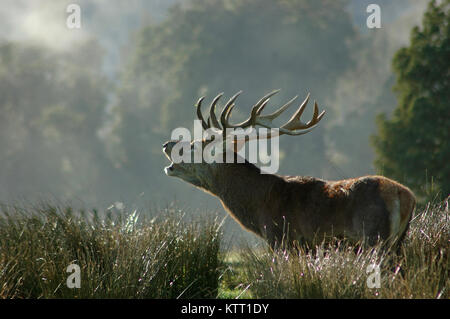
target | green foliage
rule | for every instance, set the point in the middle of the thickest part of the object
(119, 256)
(413, 146)
(339, 270)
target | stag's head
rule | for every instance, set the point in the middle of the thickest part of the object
(199, 165)
(194, 173)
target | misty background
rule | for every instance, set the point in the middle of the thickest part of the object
(84, 112)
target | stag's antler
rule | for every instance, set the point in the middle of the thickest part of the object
(292, 127)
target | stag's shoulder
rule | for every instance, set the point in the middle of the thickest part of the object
(304, 185)
(303, 180)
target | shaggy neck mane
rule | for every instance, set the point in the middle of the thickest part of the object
(244, 191)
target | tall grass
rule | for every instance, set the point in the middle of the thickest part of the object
(420, 268)
(123, 256)
(119, 256)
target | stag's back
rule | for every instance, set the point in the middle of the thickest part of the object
(370, 206)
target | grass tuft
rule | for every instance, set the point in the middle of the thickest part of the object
(124, 255)
(119, 255)
(420, 268)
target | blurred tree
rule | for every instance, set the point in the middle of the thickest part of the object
(206, 47)
(413, 146)
(365, 89)
(52, 105)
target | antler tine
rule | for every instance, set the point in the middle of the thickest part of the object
(199, 112)
(261, 108)
(320, 115)
(212, 110)
(227, 110)
(316, 116)
(292, 127)
(227, 116)
(256, 109)
(294, 124)
(277, 113)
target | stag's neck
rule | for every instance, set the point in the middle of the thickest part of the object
(245, 193)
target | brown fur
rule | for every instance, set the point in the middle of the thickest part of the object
(303, 209)
(307, 208)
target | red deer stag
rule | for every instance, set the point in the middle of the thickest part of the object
(366, 208)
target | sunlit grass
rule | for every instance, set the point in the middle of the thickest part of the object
(420, 269)
(119, 255)
(124, 255)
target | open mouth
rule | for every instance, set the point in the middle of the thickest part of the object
(171, 168)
